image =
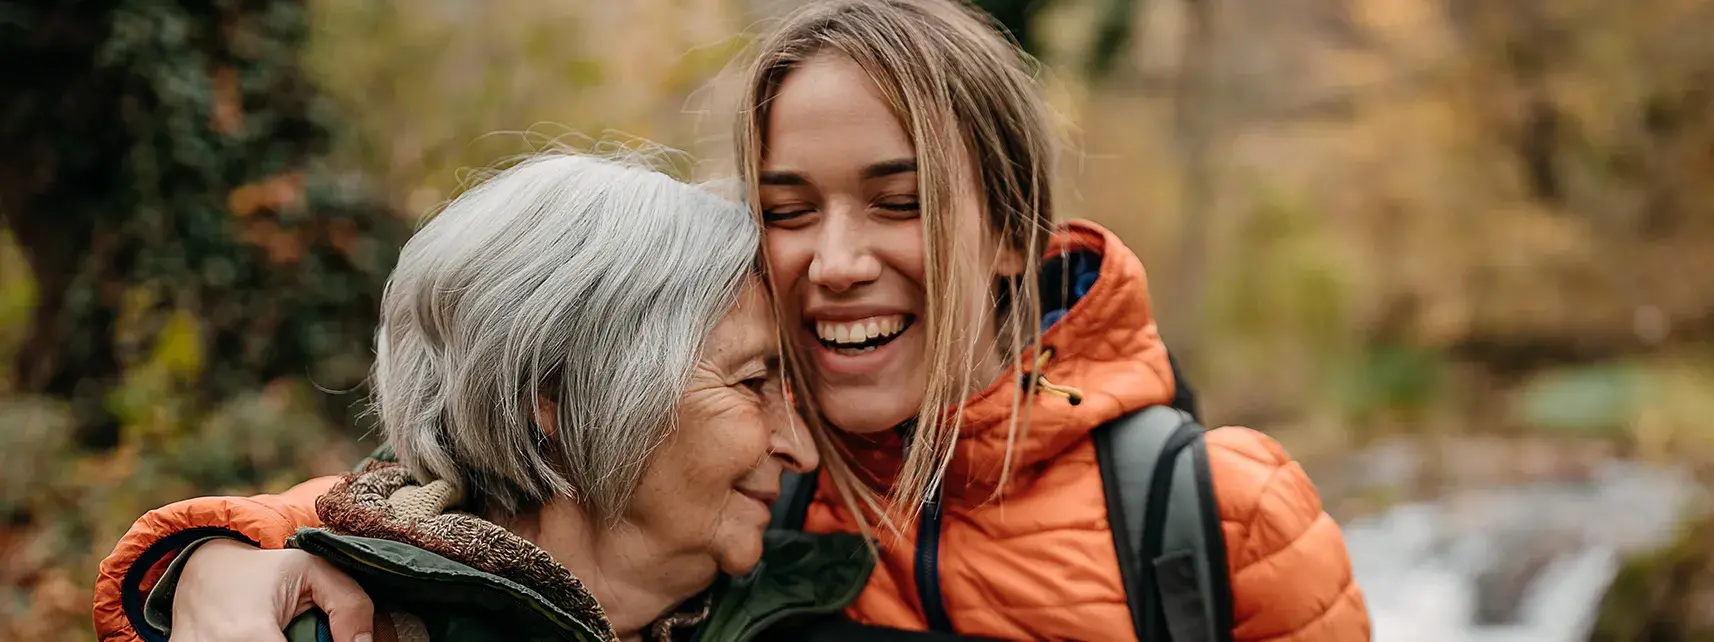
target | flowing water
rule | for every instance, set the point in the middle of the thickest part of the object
(1525, 562)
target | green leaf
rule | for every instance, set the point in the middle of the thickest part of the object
(1588, 398)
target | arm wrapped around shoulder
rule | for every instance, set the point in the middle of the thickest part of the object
(154, 539)
(1291, 573)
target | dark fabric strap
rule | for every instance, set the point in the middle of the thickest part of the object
(1214, 542)
(1154, 530)
(796, 492)
(1119, 527)
(1183, 395)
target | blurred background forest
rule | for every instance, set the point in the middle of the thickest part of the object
(1481, 232)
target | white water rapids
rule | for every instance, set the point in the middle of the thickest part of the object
(1523, 563)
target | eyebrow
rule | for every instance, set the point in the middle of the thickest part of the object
(889, 168)
(870, 172)
(784, 179)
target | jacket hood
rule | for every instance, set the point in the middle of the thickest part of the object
(1099, 342)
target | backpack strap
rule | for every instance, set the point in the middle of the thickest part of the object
(1166, 525)
(796, 492)
(1183, 395)
(792, 507)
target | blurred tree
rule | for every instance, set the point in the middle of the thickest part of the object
(1196, 103)
(1603, 116)
(1016, 16)
(161, 165)
(1113, 29)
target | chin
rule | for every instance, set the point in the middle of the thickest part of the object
(741, 558)
(867, 412)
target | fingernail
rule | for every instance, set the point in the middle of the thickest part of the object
(363, 637)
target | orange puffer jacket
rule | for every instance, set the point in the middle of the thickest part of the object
(1040, 563)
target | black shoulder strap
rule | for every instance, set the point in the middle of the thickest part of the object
(1165, 524)
(1183, 395)
(789, 510)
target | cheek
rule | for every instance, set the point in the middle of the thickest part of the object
(789, 255)
(724, 451)
(690, 485)
(901, 250)
(735, 460)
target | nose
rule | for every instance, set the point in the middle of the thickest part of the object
(843, 259)
(790, 440)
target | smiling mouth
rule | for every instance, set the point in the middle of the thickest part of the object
(765, 498)
(861, 336)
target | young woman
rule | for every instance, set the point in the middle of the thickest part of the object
(902, 160)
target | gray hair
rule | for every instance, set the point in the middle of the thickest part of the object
(589, 282)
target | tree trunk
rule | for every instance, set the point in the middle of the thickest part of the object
(1196, 102)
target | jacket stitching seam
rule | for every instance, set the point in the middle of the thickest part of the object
(1332, 603)
(1290, 543)
(1256, 513)
(1341, 598)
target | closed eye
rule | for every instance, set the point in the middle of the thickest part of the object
(780, 215)
(900, 208)
(757, 385)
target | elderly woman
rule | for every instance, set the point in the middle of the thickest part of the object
(578, 372)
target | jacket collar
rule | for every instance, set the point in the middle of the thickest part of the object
(381, 521)
(385, 502)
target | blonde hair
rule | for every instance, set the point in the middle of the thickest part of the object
(949, 75)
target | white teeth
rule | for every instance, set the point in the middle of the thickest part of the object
(861, 330)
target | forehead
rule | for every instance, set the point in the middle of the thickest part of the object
(746, 333)
(828, 108)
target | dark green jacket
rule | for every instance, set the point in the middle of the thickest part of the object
(439, 575)
(800, 576)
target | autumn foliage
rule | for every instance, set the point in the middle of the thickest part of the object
(1360, 219)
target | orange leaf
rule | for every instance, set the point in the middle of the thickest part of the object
(226, 113)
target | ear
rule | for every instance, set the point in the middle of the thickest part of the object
(547, 416)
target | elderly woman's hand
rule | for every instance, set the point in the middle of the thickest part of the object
(233, 591)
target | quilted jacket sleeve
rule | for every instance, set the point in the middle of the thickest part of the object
(1291, 573)
(136, 563)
